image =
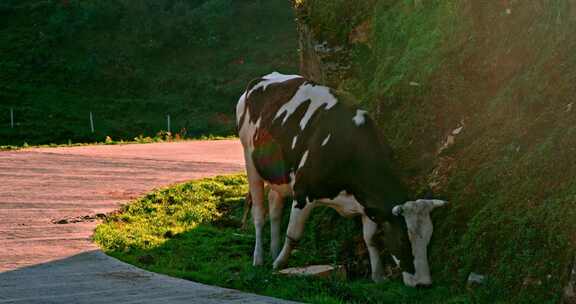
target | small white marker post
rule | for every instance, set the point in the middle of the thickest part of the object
(12, 118)
(168, 122)
(91, 122)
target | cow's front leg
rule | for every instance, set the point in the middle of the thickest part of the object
(369, 229)
(276, 202)
(298, 219)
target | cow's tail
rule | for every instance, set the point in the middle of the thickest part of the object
(247, 208)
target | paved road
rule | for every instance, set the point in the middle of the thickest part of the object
(44, 262)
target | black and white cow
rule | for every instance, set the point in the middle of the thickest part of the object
(306, 141)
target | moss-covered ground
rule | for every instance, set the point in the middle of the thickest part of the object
(476, 98)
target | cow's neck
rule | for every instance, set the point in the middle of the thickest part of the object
(380, 189)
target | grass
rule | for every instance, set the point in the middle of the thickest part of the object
(506, 78)
(192, 231)
(131, 63)
(161, 136)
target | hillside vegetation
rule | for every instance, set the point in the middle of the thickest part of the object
(476, 98)
(132, 62)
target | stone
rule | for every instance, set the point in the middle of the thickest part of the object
(322, 271)
(475, 278)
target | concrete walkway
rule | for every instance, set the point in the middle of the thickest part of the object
(49, 197)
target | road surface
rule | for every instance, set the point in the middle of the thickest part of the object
(49, 197)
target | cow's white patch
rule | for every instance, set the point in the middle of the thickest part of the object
(294, 142)
(359, 118)
(246, 133)
(240, 107)
(276, 204)
(294, 232)
(282, 189)
(396, 260)
(325, 141)
(420, 228)
(345, 203)
(292, 181)
(303, 159)
(256, 187)
(271, 78)
(369, 228)
(317, 95)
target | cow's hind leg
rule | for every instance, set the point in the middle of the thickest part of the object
(369, 229)
(298, 219)
(276, 203)
(256, 185)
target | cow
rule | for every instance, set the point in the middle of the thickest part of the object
(308, 142)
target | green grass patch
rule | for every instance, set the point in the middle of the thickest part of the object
(192, 231)
(504, 72)
(130, 63)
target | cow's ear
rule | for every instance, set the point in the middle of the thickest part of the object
(426, 193)
(438, 203)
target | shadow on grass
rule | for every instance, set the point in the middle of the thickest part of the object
(192, 231)
(222, 256)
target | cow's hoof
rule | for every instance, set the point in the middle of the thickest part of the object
(257, 261)
(278, 264)
(412, 281)
(379, 278)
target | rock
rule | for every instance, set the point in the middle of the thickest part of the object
(322, 271)
(474, 278)
(79, 219)
(451, 138)
(457, 130)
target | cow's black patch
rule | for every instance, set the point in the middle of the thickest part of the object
(356, 159)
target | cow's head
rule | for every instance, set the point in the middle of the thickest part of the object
(416, 236)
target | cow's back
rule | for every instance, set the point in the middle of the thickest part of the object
(307, 135)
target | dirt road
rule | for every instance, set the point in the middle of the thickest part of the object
(44, 191)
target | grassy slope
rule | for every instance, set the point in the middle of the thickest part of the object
(508, 79)
(425, 71)
(192, 231)
(133, 62)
